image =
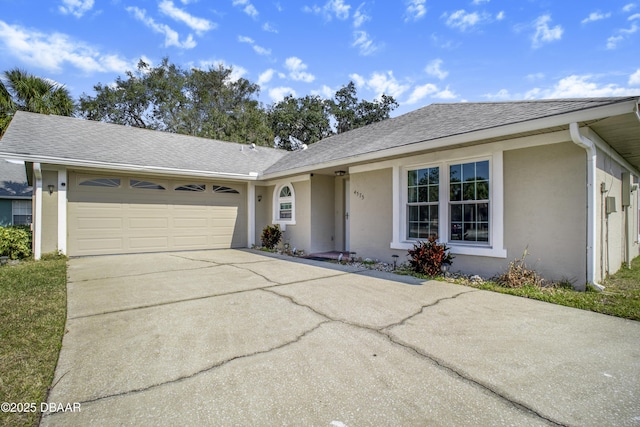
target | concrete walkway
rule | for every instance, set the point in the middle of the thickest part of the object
(235, 337)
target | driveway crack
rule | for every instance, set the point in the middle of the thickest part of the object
(202, 371)
(386, 333)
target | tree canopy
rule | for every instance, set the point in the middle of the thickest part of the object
(21, 91)
(209, 103)
(206, 103)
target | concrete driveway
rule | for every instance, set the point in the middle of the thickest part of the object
(234, 337)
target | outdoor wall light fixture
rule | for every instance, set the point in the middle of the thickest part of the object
(51, 187)
(340, 173)
(259, 197)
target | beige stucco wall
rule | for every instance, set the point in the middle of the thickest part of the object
(370, 201)
(322, 213)
(545, 209)
(49, 212)
(611, 228)
(264, 209)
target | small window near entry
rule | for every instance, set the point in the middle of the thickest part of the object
(21, 212)
(102, 182)
(134, 183)
(191, 187)
(469, 202)
(285, 204)
(222, 189)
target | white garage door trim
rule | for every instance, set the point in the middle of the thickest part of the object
(112, 214)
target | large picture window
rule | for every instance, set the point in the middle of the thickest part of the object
(469, 202)
(422, 202)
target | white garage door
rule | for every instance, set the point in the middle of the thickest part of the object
(114, 214)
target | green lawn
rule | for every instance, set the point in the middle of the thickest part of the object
(620, 298)
(32, 319)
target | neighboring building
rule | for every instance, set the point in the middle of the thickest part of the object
(555, 177)
(15, 194)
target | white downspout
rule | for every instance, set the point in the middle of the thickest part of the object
(37, 215)
(590, 148)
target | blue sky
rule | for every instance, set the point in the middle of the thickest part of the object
(419, 51)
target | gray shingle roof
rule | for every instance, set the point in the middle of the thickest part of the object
(75, 139)
(433, 122)
(13, 181)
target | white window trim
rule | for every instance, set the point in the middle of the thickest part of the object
(495, 247)
(276, 205)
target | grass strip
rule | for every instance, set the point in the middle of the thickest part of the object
(32, 321)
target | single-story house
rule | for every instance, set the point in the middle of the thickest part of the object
(15, 194)
(556, 177)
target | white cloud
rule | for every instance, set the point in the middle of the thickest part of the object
(363, 42)
(330, 9)
(296, 70)
(256, 48)
(634, 17)
(502, 94)
(628, 7)
(535, 76)
(324, 92)
(247, 7)
(269, 28)
(463, 20)
(277, 94)
(421, 92)
(266, 76)
(446, 94)
(416, 9)
(386, 83)
(434, 69)
(261, 50)
(339, 8)
(360, 17)
(612, 42)
(171, 37)
(595, 16)
(545, 34)
(478, 2)
(500, 16)
(580, 86)
(357, 79)
(634, 79)
(76, 8)
(199, 25)
(52, 51)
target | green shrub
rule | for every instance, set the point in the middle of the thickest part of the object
(429, 256)
(15, 242)
(271, 236)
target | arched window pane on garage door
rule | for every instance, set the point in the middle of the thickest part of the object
(223, 189)
(101, 182)
(148, 185)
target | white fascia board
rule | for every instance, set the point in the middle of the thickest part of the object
(298, 178)
(251, 176)
(464, 138)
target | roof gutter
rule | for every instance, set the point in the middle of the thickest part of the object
(128, 167)
(590, 148)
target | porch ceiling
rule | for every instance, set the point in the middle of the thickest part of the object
(622, 133)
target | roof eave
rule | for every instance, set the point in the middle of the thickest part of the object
(251, 176)
(595, 113)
